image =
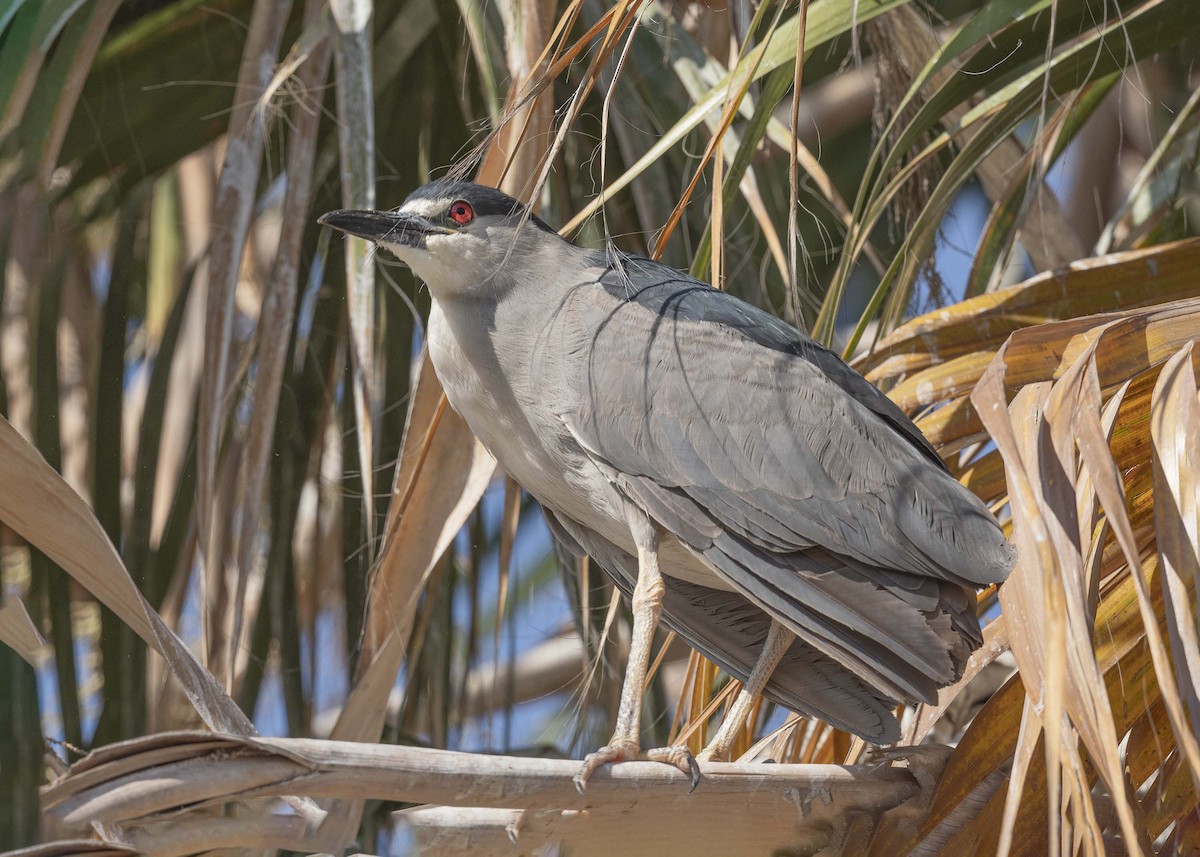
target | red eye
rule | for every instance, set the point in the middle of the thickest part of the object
(461, 212)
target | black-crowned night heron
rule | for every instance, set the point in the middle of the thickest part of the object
(734, 477)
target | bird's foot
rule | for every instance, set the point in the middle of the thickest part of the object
(679, 757)
(628, 751)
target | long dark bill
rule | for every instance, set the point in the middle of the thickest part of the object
(386, 226)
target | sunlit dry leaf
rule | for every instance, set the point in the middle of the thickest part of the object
(1086, 703)
(989, 742)
(1108, 488)
(1175, 429)
(43, 509)
(18, 632)
(953, 377)
(1150, 742)
(1123, 280)
(1027, 741)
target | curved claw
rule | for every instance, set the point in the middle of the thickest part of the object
(606, 755)
(676, 757)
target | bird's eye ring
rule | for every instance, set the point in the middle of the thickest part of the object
(461, 212)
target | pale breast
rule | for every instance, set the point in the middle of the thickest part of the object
(533, 446)
(518, 429)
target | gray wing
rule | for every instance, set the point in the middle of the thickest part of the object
(729, 630)
(789, 474)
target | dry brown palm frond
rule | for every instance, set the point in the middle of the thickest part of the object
(122, 789)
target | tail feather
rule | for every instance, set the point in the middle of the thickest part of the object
(730, 630)
(866, 636)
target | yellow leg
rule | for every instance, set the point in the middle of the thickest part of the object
(647, 609)
(779, 639)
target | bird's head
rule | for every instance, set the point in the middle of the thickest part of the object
(456, 236)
